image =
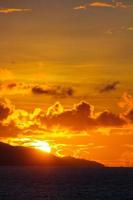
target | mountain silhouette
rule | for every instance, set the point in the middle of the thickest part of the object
(18, 155)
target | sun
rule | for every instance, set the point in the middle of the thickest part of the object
(42, 145)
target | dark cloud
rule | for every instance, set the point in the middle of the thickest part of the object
(53, 91)
(11, 85)
(109, 87)
(42, 90)
(129, 115)
(78, 118)
(37, 89)
(9, 130)
(108, 118)
(6, 108)
(81, 117)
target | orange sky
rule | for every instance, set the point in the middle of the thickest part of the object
(66, 77)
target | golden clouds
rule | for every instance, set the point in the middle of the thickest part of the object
(130, 28)
(126, 102)
(55, 109)
(13, 10)
(81, 7)
(113, 4)
(103, 4)
(81, 117)
(79, 131)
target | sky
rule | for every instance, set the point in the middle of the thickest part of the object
(66, 77)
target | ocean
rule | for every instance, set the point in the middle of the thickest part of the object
(56, 183)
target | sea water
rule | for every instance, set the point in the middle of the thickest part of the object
(56, 183)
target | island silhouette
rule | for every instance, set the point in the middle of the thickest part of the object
(25, 156)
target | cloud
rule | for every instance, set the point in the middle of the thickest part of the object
(12, 88)
(54, 91)
(55, 109)
(77, 118)
(81, 117)
(9, 130)
(130, 28)
(77, 131)
(113, 4)
(129, 115)
(81, 7)
(108, 118)
(13, 10)
(109, 87)
(103, 4)
(118, 30)
(6, 108)
(126, 102)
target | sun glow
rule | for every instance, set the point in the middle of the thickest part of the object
(42, 145)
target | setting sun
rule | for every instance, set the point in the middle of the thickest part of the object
(66, 99)
(60, 87)
(42, 145)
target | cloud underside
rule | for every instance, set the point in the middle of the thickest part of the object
(102, 4)
(81, 117)
(109, 87)
(77, 131)
(13, 10)
(12, 88)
